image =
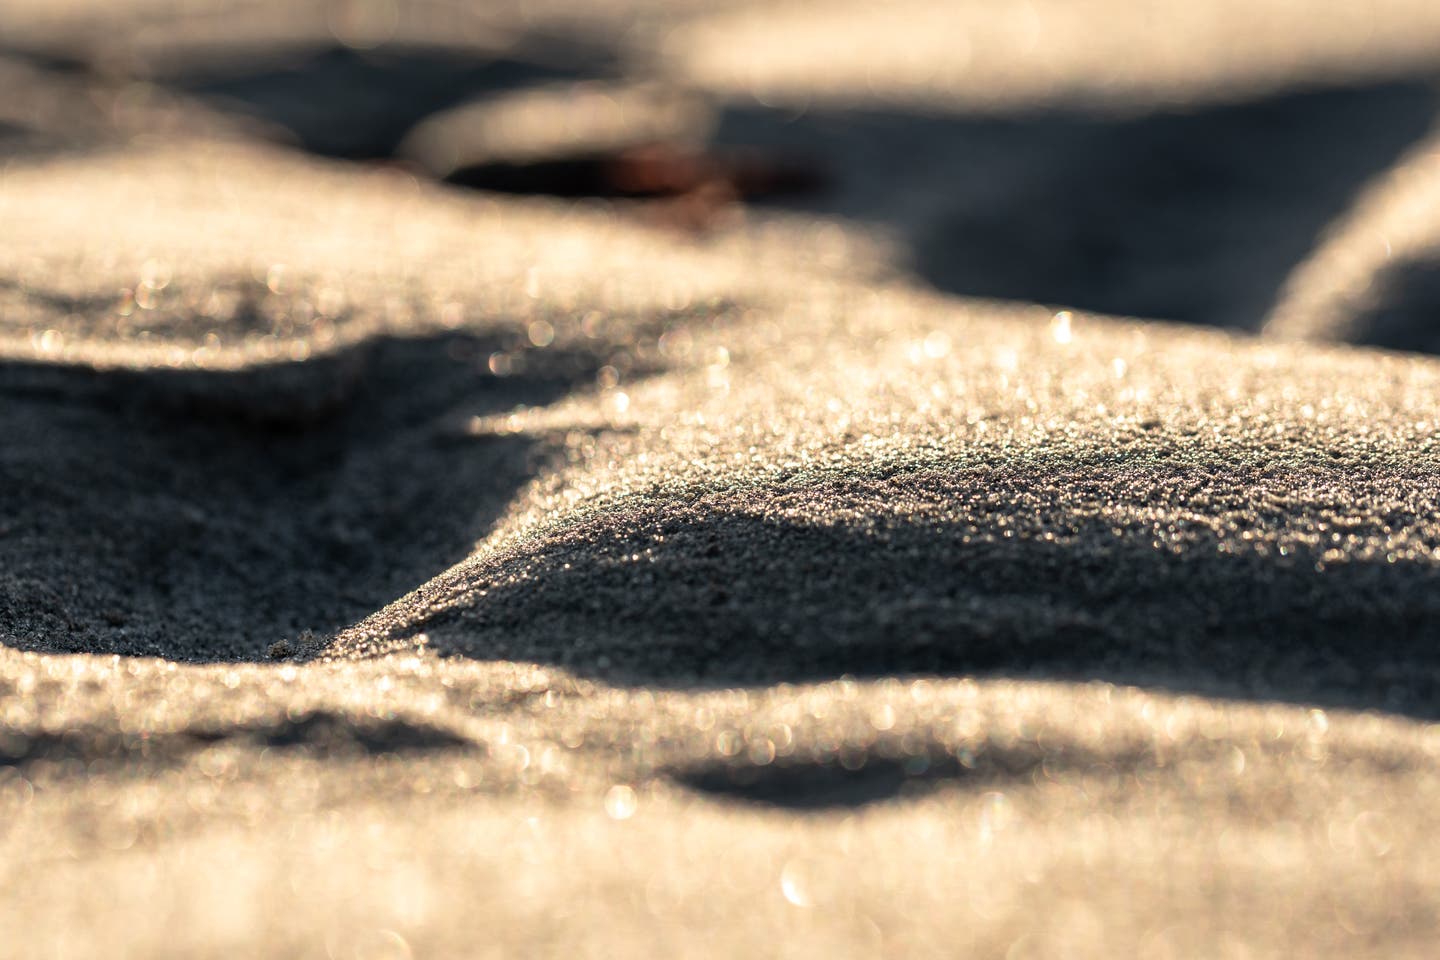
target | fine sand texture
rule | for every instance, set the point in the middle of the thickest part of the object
(677, 479)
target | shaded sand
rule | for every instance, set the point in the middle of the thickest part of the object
(389, 569)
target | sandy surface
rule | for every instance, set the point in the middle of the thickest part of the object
(394, 569)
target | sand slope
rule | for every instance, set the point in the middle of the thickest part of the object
(389, 569)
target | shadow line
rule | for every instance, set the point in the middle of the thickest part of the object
(1196, 215)
(671, 596)
(359, 104)
(203, 515)
(321, 734)
(1400, 310)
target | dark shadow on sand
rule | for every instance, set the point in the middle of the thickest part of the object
(359, 104)
(207, 515)
(820, 785)
(889, 771)
(321, 735)
(1401, 309)
(681, 599)
(1196, 215)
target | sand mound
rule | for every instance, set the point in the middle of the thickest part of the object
(389, 569)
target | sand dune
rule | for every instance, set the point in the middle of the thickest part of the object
(983, 555)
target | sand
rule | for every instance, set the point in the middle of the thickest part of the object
(1024, 546)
